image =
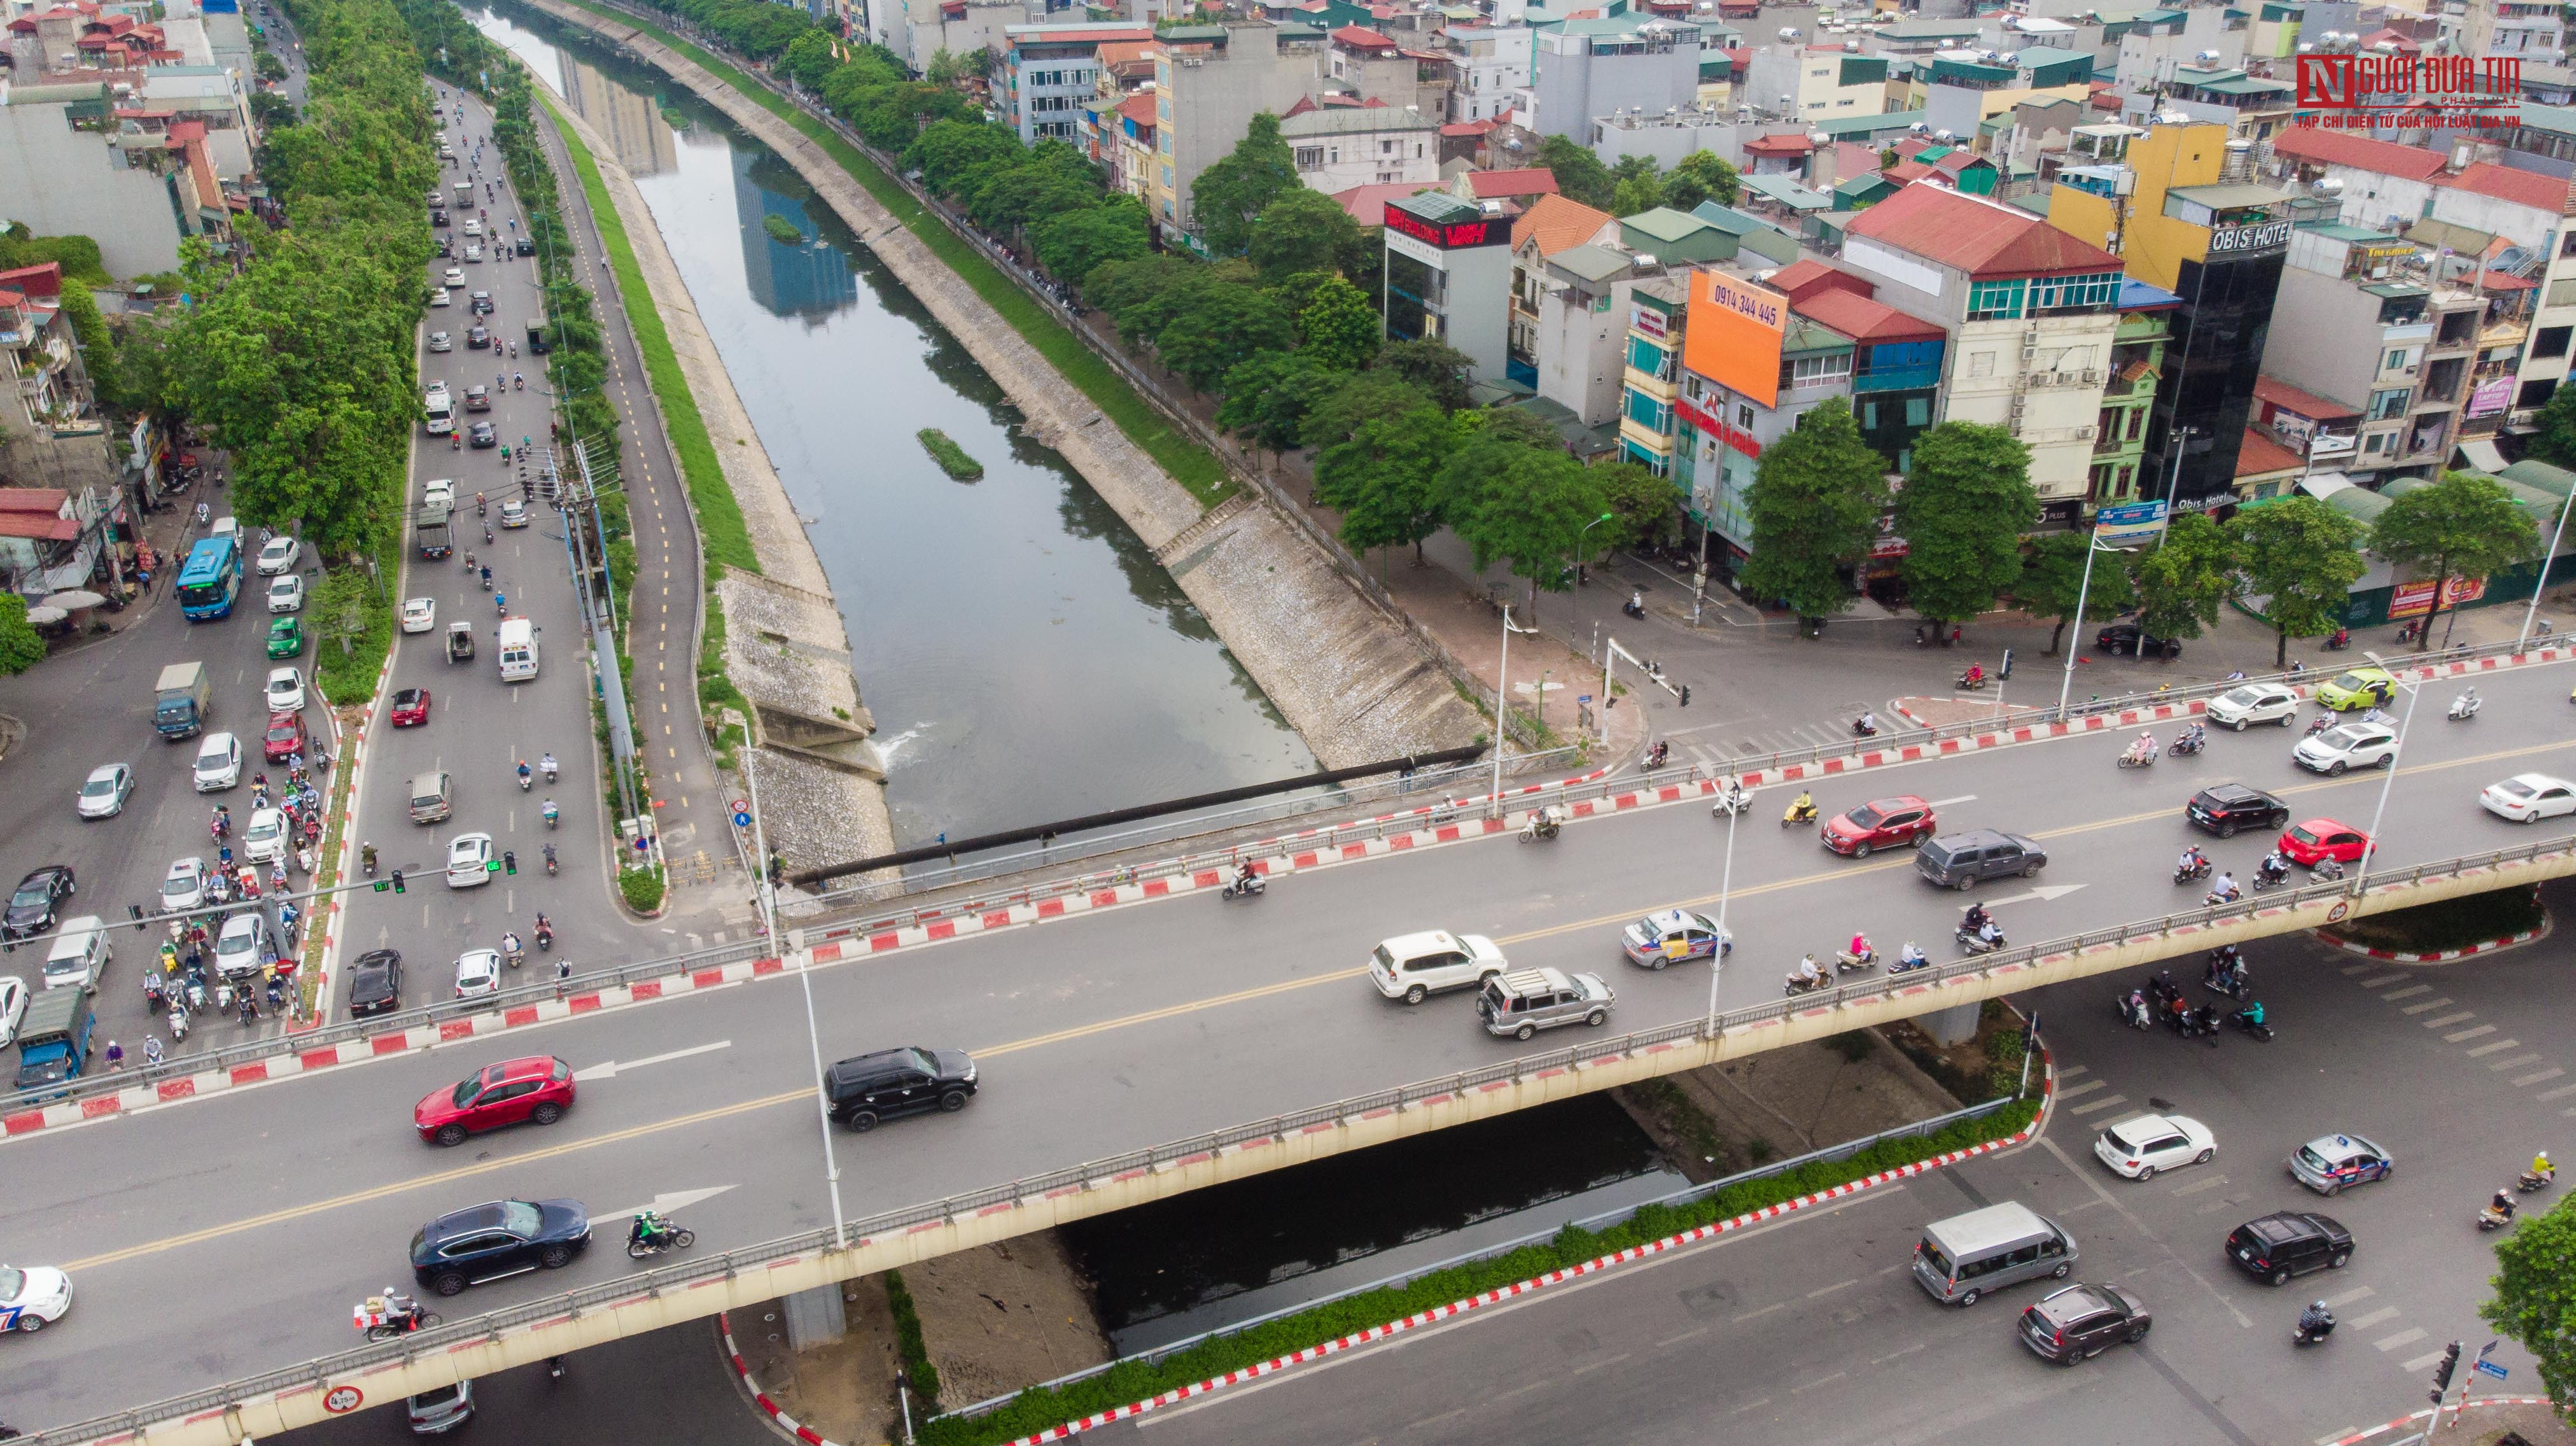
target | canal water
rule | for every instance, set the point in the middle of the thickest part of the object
(1024, 656)
(1210, 1258)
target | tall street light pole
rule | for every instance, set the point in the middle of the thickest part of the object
(2541, 583)
(768, 896)
(1725, 887)
(2083, 591)
(2370, 840)
(1502, 703)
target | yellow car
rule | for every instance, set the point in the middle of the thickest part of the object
(2360, 688)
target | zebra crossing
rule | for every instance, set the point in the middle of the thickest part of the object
(1752, 741)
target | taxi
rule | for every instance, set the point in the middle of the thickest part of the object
(2358, 688)
(1671, 936)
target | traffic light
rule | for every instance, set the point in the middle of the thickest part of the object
(2005, 672)
(398, 888)
(135, 912)
(509, 861)
(2442, 1372)
(1685, 695)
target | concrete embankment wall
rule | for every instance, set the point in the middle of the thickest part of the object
(1347, 677)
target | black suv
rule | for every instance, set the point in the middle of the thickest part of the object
(31, 908)
(1961, 860)
(375, 982)
(2068, 1325)
(872, 1087)
(2272, 1248)
(505, 1237)
(2224, 808)
(2135, 641)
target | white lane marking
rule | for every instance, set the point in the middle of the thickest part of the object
(2101, 1104)
(2069, 1071)
(2350, 970)
(2396, 978)
(2425, 1361)
(2359, 1292)
(2402, 1338)
(2194, 1188)
(608, 1069)
(2409, 992)
(2437, 1021)
(1689, 1335)
(1892, 1355)
(2068, 1092)
(2427, 1004)
(1605, 1361)
(666, 1204)
(2560, 1093)
(1804, 1386)
(1946, 802)
(2363, 1322)
(2514, 1062)
(1758, 1314)
(1830, 1289)
(2457, 1036)
(2484, 1048)
(2043, 894)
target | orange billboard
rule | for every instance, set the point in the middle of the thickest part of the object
(1734, 336)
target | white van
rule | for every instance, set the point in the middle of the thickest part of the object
(518, 650)
(80, 954)
(438, 410)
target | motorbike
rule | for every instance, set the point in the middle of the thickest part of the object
(550, 768)
(1244, 888)
(1635, 606)
(1965, 683)
(2199, 1023)
(1903, 965)
(2531, 1180)
(545, 941)
(1798, 814)
(670, 1237)
(2308, 1335)
(2193, 873)
(516, 953)
(526, 779)
(2244, 1019)
(1846, 962)
(1863, 728)
(2137, 758)
(1543, 823)
(2322, 722)
(2490, 1218)
(2186, 746)
(154, 1000)
(2215, 898)
(1656, 755)
(367, 859)
(379, 1322)
(178, 1025)
(1977, 944)
(550, 871)
(2132, 1010)
(1801, 984)
(2266, 879)
(2341, 640)
(1730, 802)
(2327, 871)
(2463, 708)
(2232, 983)
(552, 813)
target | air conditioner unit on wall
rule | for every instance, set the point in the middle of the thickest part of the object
(2084, 434)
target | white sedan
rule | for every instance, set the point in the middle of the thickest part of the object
(2240, 708)
(2351, 745)
(32, 1297)
(219, 763)
(278, 556)
(2529, 797)
(285, 690)
(456, 276)
(478, 972)
(286, 594)
(13, 1006)
(419, 615)
(264, 842)
(184, 887)
(440, 297)
(104, 794)
(2141, 1145)
(469, 860)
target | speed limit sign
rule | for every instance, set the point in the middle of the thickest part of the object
(2335, 914)
(341, 1400)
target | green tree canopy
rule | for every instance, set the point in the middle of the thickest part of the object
(1302, 231)
(2052, 580)
(2555, 443)
(1643, 506)
(1635, 185)
(1963, 512)
(2535, 1296)
(2183, 581)
(1528, 512)
(1269, 394)
(1433, 365)
(954, 155)
(1371, 394)
(1579, 174)
(1700, 177)
(2301, 558)
(1338, 328)
(20, 647)
(2463, 526)
(1230, 195)
(1385, 479)
(1074, 244)
(1814, 504)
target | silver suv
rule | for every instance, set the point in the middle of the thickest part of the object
(1526, 1001)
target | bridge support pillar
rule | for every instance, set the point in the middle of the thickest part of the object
(813, 1317)
(1955, 1025)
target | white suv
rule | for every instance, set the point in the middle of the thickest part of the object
(1413, 966)
(2254, 703)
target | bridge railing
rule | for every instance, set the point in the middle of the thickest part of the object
(349, 1363)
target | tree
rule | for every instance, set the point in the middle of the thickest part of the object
(1814, 505)
(2462, 527)
(1528, 513)
(1641, 505)
(1220, 328)
(948, 69)
(2302, 558)
(1268, 396)
(1963, 512)
(1635, 186)
(340, 608)
(1699, 177)
(2555, 443)
(954, 156)
(1074, 244)
(1385, 479)
(1580, 176)
(1339, 329)
(2535, 1297)
(1433, 365)
(2182, 582)
(2052, 578)
(1302, 231)
(20, 647)
(1371, 394)
(1231, 194)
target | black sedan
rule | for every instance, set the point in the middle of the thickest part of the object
(503, 1238)
(2226, 808)
(375, 982)
(2133, 641)
(32, 907)
(478, 338)
(438, 218)
(482, 435)
(2068, 1325)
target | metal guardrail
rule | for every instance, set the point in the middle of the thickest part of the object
(350, 1031)
(651, 1283)
(1842, 1151)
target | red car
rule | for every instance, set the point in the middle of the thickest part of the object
(411, 706)
(2323, 838)
(1878, 824)
(537, 1088)
(284, 736)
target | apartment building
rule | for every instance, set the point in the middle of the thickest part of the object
(1209, 82)
(1565, 325)
(1050, 74)
(1488, 67)
(1341, 146)
(1448, 276)
(2532, 31)
(2363, 315)
(1587, 68)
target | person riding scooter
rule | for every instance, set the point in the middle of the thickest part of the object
(2224, 890)
(2315, 1323)
(2142, 751)
(2274, 868)
(1867, 726)
(1909, 958)
(1975, 677)
(1802, 809)
(2192, 865)
(1976, 919)
(1809, 975)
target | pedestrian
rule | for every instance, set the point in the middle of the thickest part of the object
(1955, 633)
(115, 1055)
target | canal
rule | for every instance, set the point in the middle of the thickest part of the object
(1023, 654)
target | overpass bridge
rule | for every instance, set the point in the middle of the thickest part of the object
(221, 1235)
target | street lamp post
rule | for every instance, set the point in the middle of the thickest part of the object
(2541, 583)
(2370, 840)
(2173, 482)
(1502, 706)
(1725, 887)
(2083, 591)
(767, 894)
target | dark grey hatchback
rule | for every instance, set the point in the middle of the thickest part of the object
(1963, 860)
(2068, 1325)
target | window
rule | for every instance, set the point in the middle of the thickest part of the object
(1649, 358)
(2067, 293)
(2552, 340)
(2137, 423)
(2377, 443)
(2388, 404)
(1310, 158)
(1981, 364)
(2567, 243)
(1918, 412)
(1995, 300)
(2402, 359)
(1810, 371)
(1744, 417)
(1869, 416)
(1649, 413)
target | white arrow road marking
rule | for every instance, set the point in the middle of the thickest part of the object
(666, 1205)
(607, 1069)
(2044, 894)
(1946, 802)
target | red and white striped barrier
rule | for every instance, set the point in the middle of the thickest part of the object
(2328, 936)
(724, 1323)
(2412, 1417)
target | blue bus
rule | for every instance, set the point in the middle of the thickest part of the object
(211, 580)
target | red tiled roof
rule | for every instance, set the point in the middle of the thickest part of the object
(2336, 148)
(1560, 223)
(1358, 38)
(44, 280)
(1139, 108)
(47, 501)
(1305, 103)
(2390, 38)
(1979, 237)
(1862, 319)
(2523, 188)
(1906, 173)
(2506, 281)
(1780, 145)
(1489, 185)
(28, 524)
(1469, 128)
(2259, 454)
(1367, 204)
(2298, 403)
(1805, 276)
